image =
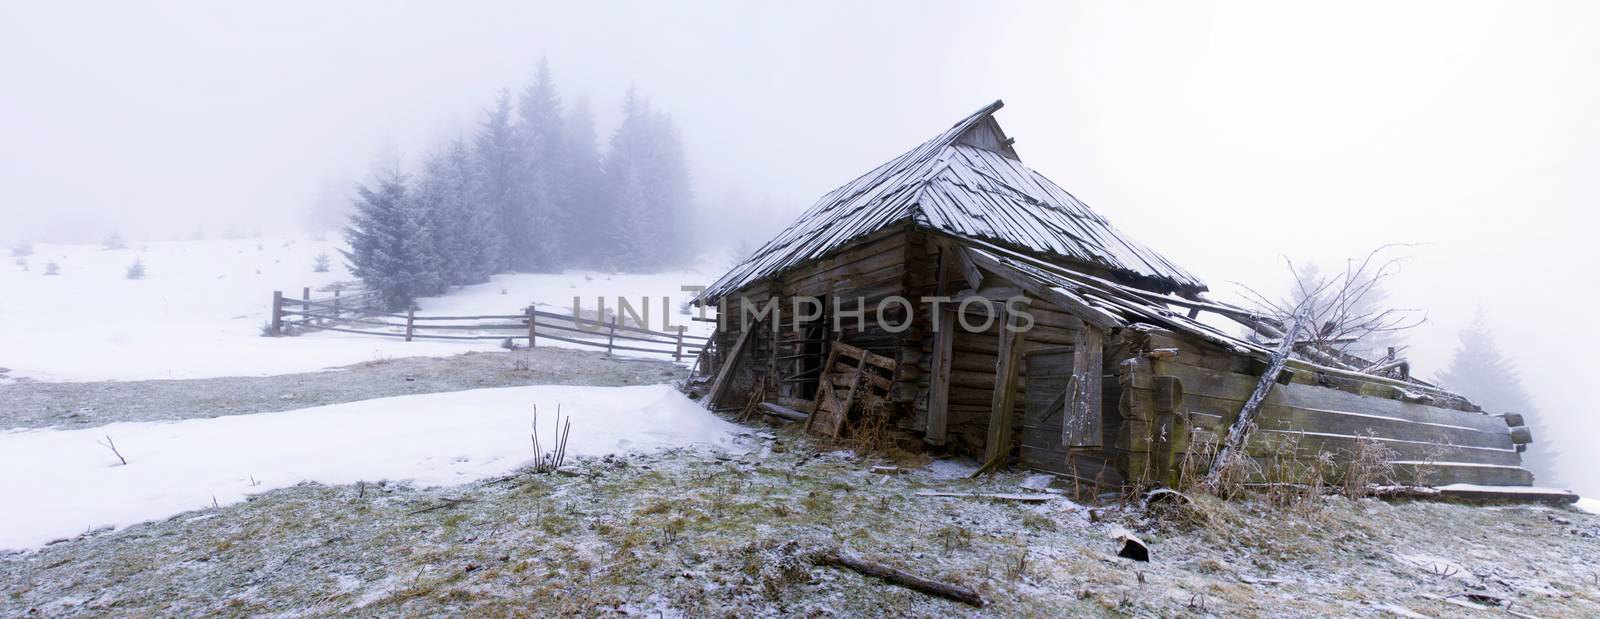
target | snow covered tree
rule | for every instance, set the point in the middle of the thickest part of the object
(499, 162)
(633, 241)
(136, 270)
(51, 268)
(114, 242)
(1480, 372)
(22, 250)
(583, 196)
(543, 141)
(321, 263)
(648, 184)
(391, 245)
(464, 234)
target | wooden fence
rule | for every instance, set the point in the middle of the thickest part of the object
(358, 313)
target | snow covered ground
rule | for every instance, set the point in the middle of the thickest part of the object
(199, 310)
(62, 483)
(1589, 505)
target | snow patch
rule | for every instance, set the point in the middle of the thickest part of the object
(63, 482)
(1589, 505)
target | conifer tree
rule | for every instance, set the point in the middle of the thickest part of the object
(390, 244)
(542, 141)
(499, 163)
(1480, 372)
(647, 180)
(583, 196)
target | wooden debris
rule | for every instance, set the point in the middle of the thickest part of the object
(783, 412)
(998, 496)
(1129, 546)
(949, 591)
(886, 470)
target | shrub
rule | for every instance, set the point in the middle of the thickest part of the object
(321, 263)
(136, 270)
(22, 249)
(51, 268)
(114, 242)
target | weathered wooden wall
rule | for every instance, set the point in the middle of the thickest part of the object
(1181, 405)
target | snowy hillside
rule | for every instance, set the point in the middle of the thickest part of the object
(199, 310)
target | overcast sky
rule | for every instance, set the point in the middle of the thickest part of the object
(1228, 136)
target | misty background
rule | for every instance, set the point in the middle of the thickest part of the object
(1227, 136)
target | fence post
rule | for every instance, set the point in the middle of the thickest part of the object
(305, 308)
(677, 353)
(530, 327)
(411, 318)
(336, 310)
(277, 313)
(612, 336)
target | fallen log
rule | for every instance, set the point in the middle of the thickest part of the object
(1017, 497)
(949, 591)
(782, 412)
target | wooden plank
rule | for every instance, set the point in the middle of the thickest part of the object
(939, 389)
(1084, 425)
(721, 383)
(1002, 401)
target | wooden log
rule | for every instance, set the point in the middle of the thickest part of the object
(782, 412)
(1239, 432)
(1030, 497)
(949, 591)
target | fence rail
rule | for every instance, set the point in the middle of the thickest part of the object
(356, 313)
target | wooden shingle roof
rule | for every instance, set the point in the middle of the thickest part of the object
(966, 182)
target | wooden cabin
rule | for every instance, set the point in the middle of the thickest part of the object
(1122, 376)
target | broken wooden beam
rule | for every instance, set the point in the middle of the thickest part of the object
(949, 591)
(1017, 497)
(782, 412)
(1239, 432)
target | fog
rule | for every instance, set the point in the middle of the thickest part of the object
(1227, 136)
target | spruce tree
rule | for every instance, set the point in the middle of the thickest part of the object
(542, 139)
(583, 196)
(646, 151)
(1480, 372)
(499, 162)
(390, 244)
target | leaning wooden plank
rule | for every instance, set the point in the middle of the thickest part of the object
(939, 391)
(1002, 402)
(726, 370)
(1083, 425)
(838, 558)
(1239, 432)
(1014, 497)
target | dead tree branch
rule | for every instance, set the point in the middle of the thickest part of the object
(112, 445)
